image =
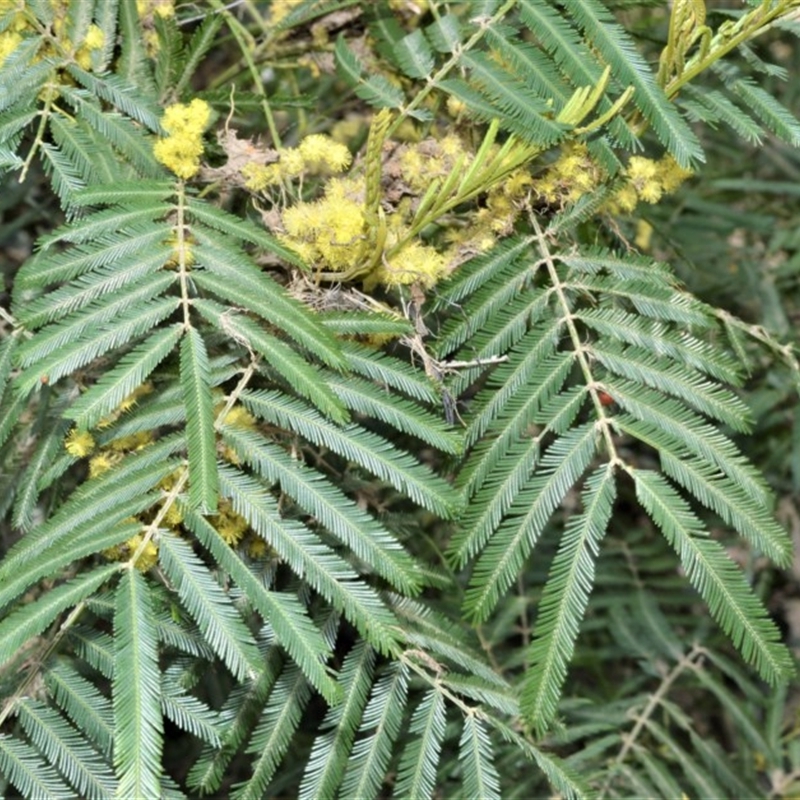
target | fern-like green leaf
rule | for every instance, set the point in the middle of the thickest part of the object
(731, 601)
(31, 619)
(564, 600)
(416, 773)
(476, 757)
(310, 559)
(246, 287)
(665, 376)
(273, 734)
(47, 448)
(283, 612)
(376, 89)
(139, 244)
(200, 436)
(73, 355)
(239, 229)
(561, 466)
(630, 69)
(83, 703)
(189, 713)
(404, 416)
(390, 372)
(375, 546)
(366, 449)
(130, 373)
(326, 764)
(29, 772)
(239, 715)
(381, 722)
(712, 106)
(97, 506)
(774, 115)
(302, 376)
(136, 691)
(62, 745)
(414, 55)
(212, 609)
(85, 541)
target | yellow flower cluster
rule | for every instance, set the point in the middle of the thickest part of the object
(328, 233)
(112, 452)
(415, 263)
(315, 155)
(103, 462)
(230, 525)
(256, 547)
(573, 175)
(10, 40)
(181, 150)
(79, 443)
(147, 558)
(337, 234)
(430, 159)
(648, 180)
(149, 555)
(279, 10)
(165, 9)
(240, 417)
(94, 40)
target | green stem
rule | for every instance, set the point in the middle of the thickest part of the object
(483, 26)
(580, 349)
(759, 20)
(45, 116)
(182, 247)
(241, 34)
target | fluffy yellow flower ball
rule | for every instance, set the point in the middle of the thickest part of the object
(181, 150)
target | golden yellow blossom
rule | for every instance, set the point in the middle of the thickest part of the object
(455, 106)
(173, 516)
(159, 8)
(571, 176)
(79, 443)
(182, 156)
(135, 441)
(94, 38)
(181, 150)
(186, 119)
(332, 230)
(256, 547)
(672, 174)
(9, 42)
(651, 191)
(291, 162)
(517, 183)
(644, 234)
(241, 417)
(625, 199)
(149, 555)
(415, 263)
(641, 169)
(230, 525)
(102, 462)
(259, 177)
(319, 151)
(281, 9)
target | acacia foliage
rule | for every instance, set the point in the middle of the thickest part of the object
(237, 517)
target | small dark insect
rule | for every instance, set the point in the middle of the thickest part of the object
(605, 398)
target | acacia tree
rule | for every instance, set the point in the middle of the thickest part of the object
(334, 382)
